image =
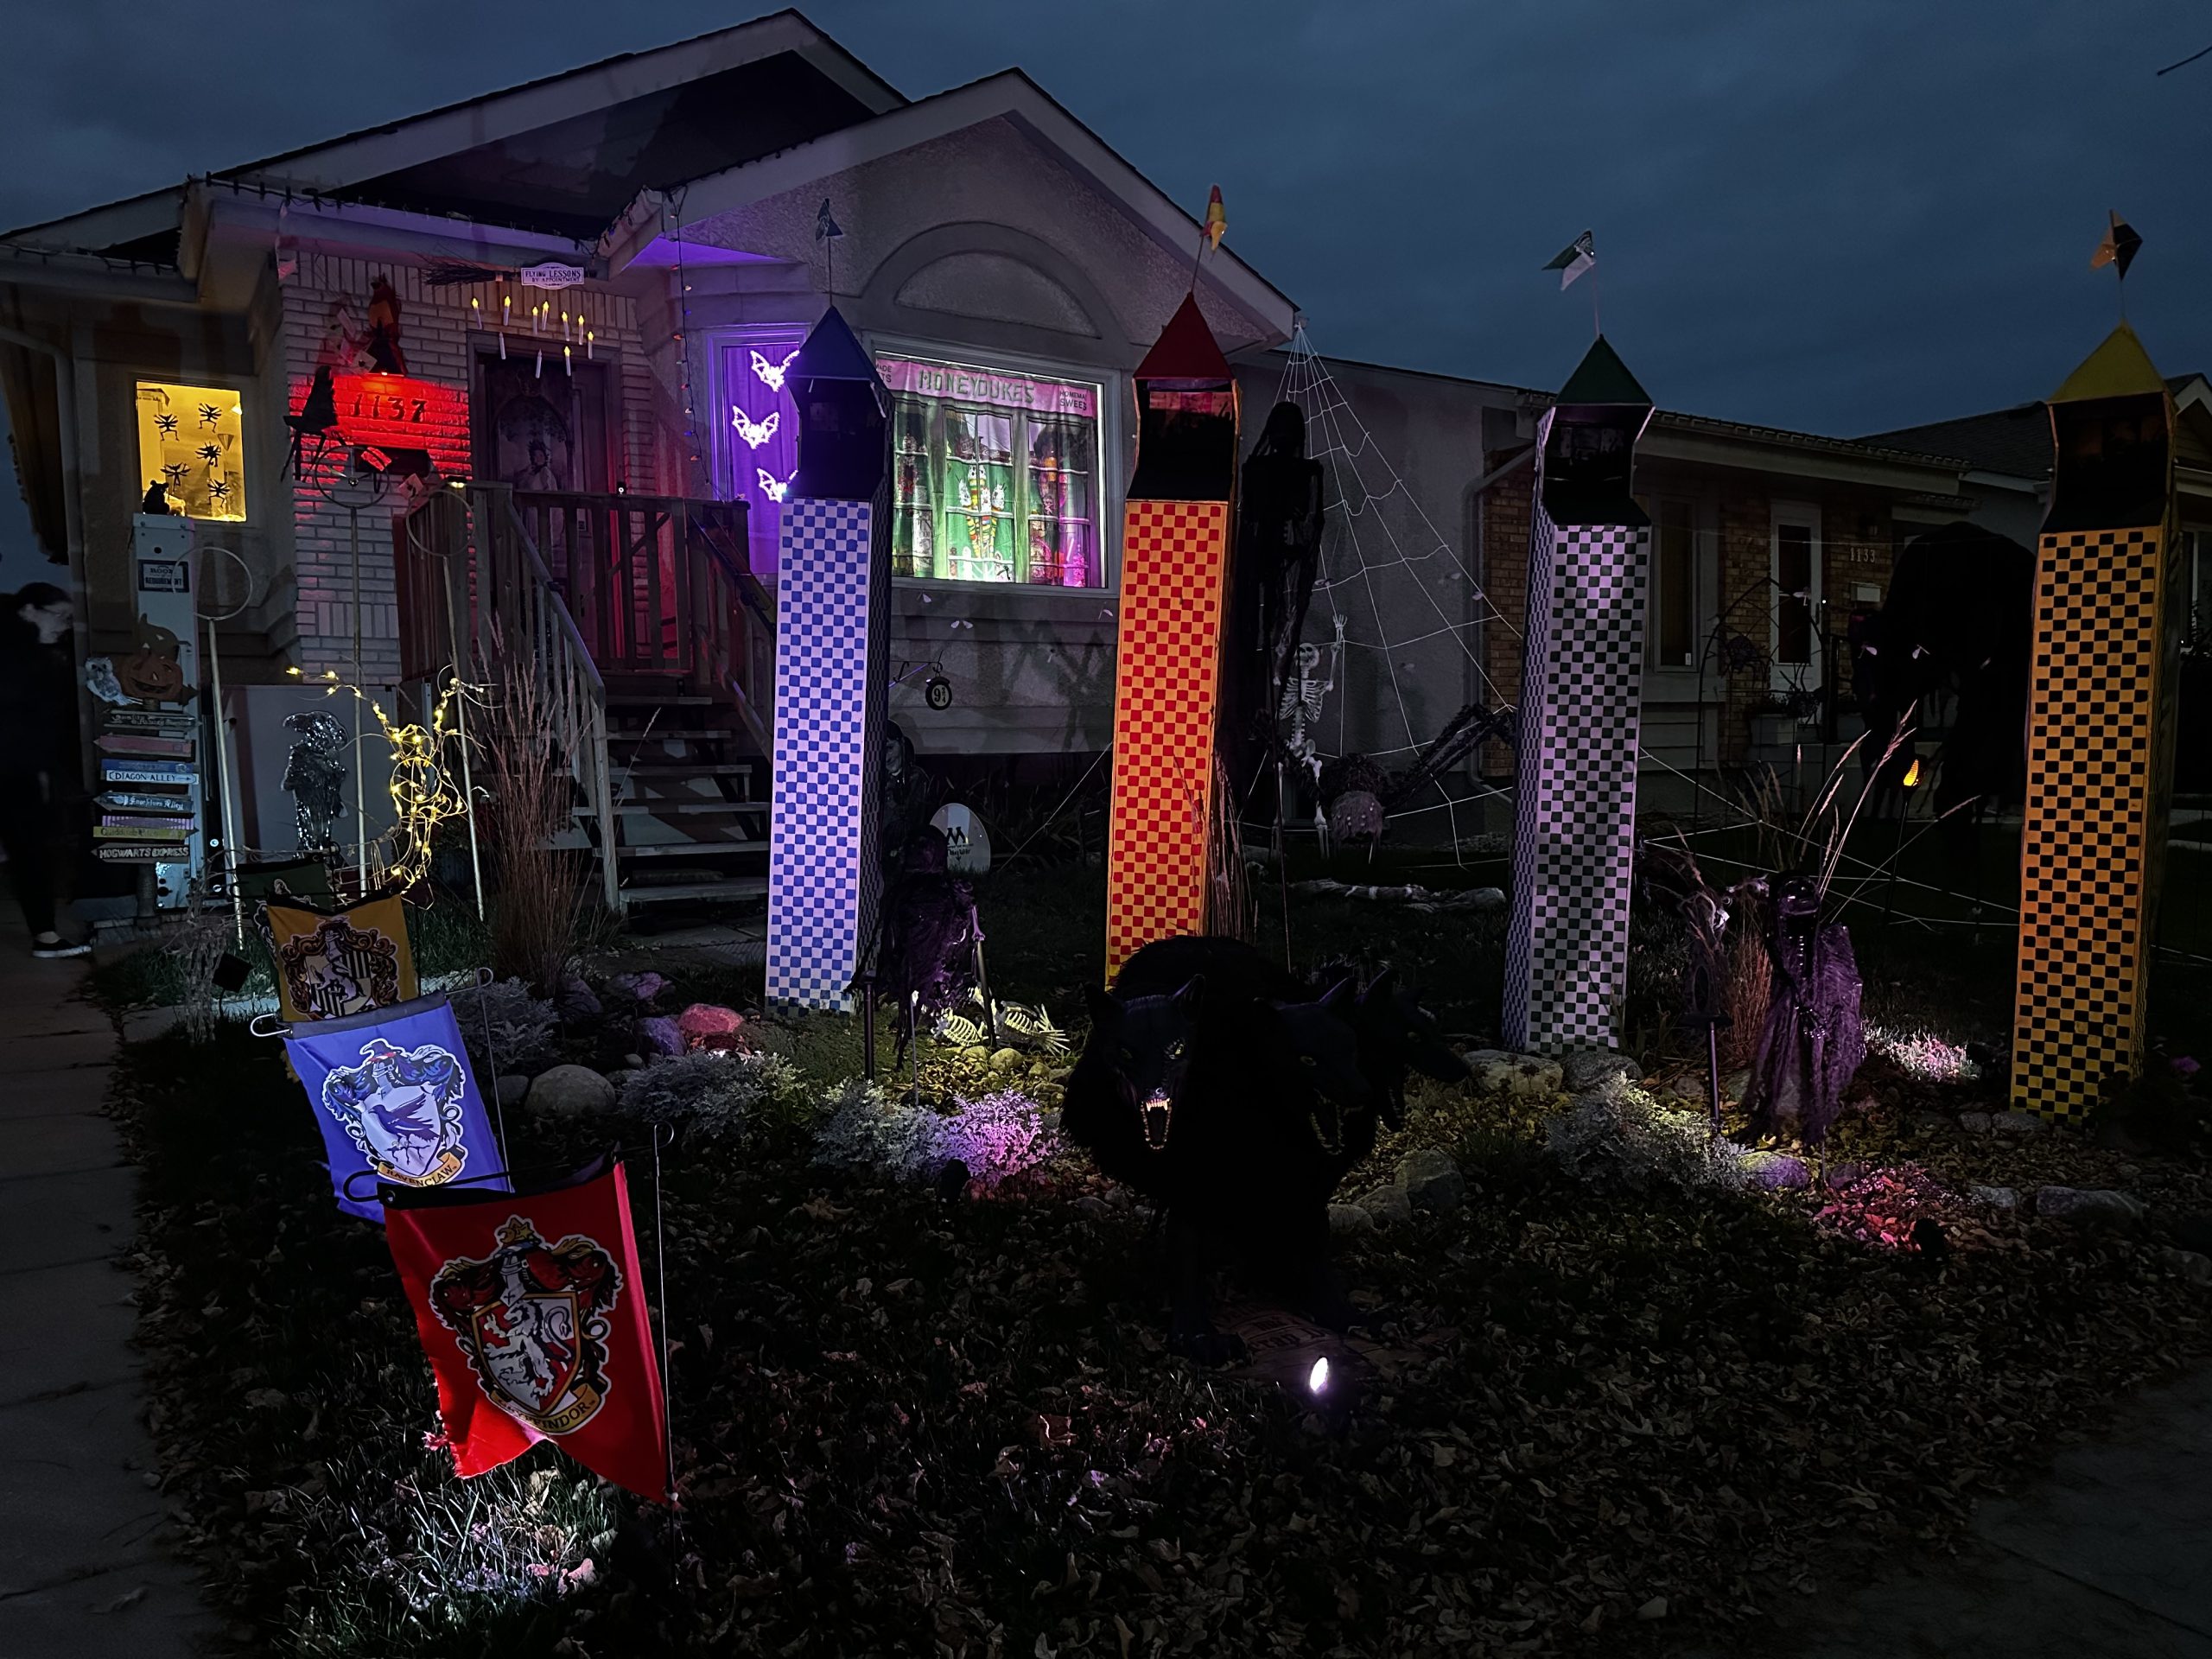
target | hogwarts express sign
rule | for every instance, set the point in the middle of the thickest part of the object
(401, 411)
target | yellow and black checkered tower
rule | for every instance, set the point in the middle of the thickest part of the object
(2100, 725)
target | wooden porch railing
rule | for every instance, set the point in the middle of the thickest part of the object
(661, 586)
(474, 595)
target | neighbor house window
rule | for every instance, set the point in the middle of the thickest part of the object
(191, 441)
(995, 475)
(1672, 627)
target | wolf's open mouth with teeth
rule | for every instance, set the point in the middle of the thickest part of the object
(1158, 1109)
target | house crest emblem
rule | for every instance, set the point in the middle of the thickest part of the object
(340, 968)
(532, 1319)
(403, 1108)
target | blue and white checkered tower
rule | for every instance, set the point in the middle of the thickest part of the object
(1581, 683)
(832, 664)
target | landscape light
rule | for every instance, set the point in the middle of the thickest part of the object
(1317, 1380)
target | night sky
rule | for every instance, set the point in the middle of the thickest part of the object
(1840, 217)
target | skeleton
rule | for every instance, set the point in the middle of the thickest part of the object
(1304, 692)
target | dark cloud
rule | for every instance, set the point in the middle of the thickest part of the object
(1839, 217)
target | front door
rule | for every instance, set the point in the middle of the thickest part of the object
(541, 428)
(1794, 645)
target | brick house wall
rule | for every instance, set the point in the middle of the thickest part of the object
(1734, 517)
(441, 335)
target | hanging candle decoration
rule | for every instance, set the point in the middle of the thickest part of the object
(1581, 688)
(1168, 650)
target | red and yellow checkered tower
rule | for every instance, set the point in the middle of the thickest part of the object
(1167, 653)
(2100, 733)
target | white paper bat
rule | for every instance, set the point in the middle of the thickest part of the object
(770, 483)
(755, 433)
(772, 374)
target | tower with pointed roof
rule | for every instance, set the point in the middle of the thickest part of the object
(2102, 688)
(832, 666)
(1167, 647)
(1581, 686)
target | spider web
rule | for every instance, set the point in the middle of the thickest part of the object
(1383, 560)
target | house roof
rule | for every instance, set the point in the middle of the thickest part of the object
(561, 154)
(1011, 96)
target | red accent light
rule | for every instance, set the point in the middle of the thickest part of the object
(401, 411)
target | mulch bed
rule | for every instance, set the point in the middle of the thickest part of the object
(909, 1425)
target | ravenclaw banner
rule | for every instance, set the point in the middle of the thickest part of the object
(394, 1099)
(334, 962)
(533, 1314)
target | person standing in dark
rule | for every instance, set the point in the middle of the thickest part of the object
(35, 750)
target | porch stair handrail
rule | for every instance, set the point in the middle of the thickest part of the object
(505, 613)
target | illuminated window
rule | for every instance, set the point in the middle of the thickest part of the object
(191, 441)
(995, 475)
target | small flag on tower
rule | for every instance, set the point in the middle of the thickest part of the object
(1216, 218)
(2118, 248)
(1575, 258)
(825, 225)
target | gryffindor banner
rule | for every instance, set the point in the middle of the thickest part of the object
(395, 1101)
(533, 1314)
(334, 962)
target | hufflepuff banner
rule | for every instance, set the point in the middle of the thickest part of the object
(330, 963)
(395, 1101)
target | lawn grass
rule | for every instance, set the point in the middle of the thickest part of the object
(905, 1426)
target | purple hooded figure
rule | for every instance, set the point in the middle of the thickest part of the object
(1812, 1044)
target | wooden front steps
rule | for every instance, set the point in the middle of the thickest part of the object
(691, 807)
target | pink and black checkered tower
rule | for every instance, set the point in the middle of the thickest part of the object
(1167, 650)
(832, 667)
(1581, 680)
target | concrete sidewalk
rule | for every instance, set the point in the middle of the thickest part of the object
(2110, 1555)
(82, 1568)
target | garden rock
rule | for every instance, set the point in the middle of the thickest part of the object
(1934, 1123)
(1007, 1059)
(1777, 1171)
(1974, 1122)
(1997, 1198)
(1093, 1207)
(570, 1089)
(710, 1026)
(1346, 1218)
(1522, 1076)
(660, 1034)
(2191, 1266)
(1389, 1206)
(1431, 1180)
(1585, 1068)
(577, 1001)
(510, 1090)
(2019, 1123)
(2089, 1207)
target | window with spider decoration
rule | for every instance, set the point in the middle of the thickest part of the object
(191, 446)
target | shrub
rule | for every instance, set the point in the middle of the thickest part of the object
(713, 1093)
(995, 1135)
(1618, 1138)
(517, 1027)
